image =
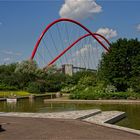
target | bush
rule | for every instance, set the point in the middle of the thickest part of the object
(54, 82)
(53, 86)
(135, 84)
(87, 81)
(96, 93)
(110, 88)
(81, 74)
(6, 87)
(68, 88)
(36, 87)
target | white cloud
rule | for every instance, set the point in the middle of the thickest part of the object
(138, 27)
(108, 33)
(7, 56)
(10, 53)
(88, 56)
(79, 9)
(7, 52)
(6, 59)
(85, 49)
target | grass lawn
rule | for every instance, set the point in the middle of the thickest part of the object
(12, 93)
(5, 94)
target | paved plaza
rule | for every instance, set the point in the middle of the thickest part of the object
(18, 128)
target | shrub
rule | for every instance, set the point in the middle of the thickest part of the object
(54, 82)
(68, 88)
(36, 87)
(7, 87)
(110, 88)
(92, 93)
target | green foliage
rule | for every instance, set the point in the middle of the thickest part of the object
(8, 69)
(16, 76)
(54, 82)
(121, 66)
(96, 94)
(119, 71)
(27, 76)
(7, 77)
(51, 69)
(79, 80)
(87, 81)
(6, 87)
(36, 87)
(135, 83)
(78, 75)
(110, 88)
(26, 67)
(69, 88)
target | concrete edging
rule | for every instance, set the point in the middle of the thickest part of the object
(81, 118)
(93, 101)
(116, 118)
(130, 130)
(89, 115)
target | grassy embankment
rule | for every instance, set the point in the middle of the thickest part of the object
(5, 94)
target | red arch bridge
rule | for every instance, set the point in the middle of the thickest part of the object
(70, 46)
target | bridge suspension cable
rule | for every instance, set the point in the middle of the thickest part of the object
(58, 46)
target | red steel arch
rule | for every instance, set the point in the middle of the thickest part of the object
(69, 20)
(69, 47)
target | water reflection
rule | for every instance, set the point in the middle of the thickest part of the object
(37, 105)
(11, 106)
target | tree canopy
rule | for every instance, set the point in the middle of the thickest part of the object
(119, 70)
(121, 65)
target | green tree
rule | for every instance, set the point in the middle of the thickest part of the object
(36, 87)
(78, 75)
(27, 67)
(7, 77)
(55, 81)
(121, 64)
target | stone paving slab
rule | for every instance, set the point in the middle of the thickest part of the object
(106, 117)
(64, 115)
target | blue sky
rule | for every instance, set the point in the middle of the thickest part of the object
(21, 23)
